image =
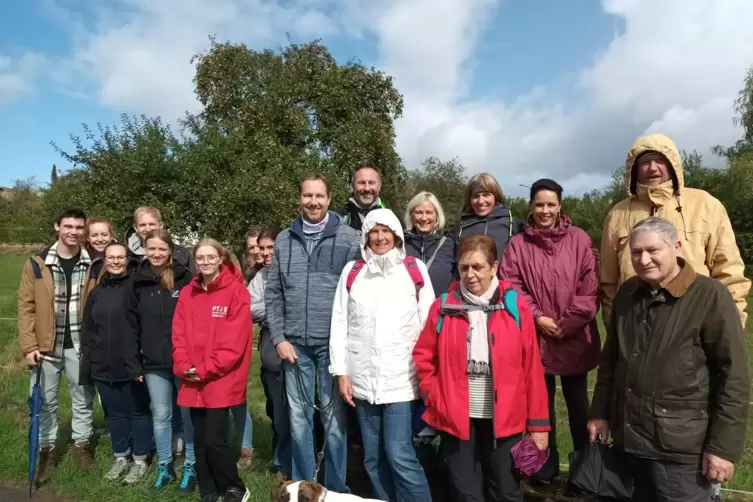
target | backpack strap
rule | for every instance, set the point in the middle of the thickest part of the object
(436, 250)
(414, 272)
(35, 268)
(441, 313)
(357, 266)
(510, 301)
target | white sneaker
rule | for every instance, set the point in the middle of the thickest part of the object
(178, 446)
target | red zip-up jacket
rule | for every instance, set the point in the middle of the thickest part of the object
(521, 402)
(212, 332)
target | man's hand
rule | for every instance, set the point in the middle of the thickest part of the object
(541, 439)
(717, 469)
(547, 325)
(33, 357)
(346, 389)
(286, 351)
(598, 426)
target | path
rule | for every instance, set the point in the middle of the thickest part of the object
(13, 494)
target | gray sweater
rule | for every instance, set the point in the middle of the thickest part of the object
(301, 287)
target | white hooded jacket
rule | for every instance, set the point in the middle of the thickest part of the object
(376, 325)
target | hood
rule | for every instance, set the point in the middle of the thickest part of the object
(229, 274)
(559, 230)
(384, 217)
(654, 143)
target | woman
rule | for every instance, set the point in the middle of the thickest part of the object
(272, 375)
(103, 335)
(485, 213)
(380, 306)
(212, 333)
(151, 304)
(425, 239)
(99, 233)
(552, 265)
(481, 377)
(250, 257)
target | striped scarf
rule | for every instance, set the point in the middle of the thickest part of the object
(74, 306)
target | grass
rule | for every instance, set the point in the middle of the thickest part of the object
(70, 483)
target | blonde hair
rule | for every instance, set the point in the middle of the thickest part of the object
(225, 257)
(482, 182)
(151, 211)
(416, 201)
(95, 221)
(167, 278)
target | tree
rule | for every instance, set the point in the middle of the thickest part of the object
(446, 180)
(22, 216)
(54, 174)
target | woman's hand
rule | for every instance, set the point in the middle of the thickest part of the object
(547, 325)
(346, 390)
(139, 379)
(541, 439)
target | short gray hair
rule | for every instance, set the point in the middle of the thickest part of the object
(660, 226)
(416, 201)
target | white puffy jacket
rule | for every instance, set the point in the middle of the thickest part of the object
(375, 327)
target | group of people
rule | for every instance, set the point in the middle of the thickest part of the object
(393, 329)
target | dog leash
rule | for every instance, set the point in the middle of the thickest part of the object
(322, 410)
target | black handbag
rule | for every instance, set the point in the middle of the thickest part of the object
(597, 469)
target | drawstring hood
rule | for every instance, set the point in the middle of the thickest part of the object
(382, 263)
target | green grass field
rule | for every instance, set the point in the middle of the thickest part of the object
(70, 483)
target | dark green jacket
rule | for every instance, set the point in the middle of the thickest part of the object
(674, 380)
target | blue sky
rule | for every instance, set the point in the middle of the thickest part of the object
(521, 88)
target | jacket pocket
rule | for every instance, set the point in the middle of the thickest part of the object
(681, 427)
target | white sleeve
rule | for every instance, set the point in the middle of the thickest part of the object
(426, 295)
(338, 333)
(256, 289)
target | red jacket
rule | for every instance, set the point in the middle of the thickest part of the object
(212, 332)
(521, 402)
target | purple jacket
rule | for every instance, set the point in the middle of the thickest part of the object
(555, 270)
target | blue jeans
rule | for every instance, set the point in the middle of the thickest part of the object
(313, 361)
(128, 418)
(162, 385)
(388, 453)
(243, 425)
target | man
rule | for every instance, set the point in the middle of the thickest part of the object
(673, 383)
(306, 266)
(146, 219)
(367, 183)
(655, 184)
(51, 298)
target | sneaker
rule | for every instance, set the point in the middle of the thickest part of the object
(246, 459)
(48, 457)
(236, 495)
(188, 480)
(83, 455)
(135, 474)
(178, 446)
(118, 467)
(165, 475)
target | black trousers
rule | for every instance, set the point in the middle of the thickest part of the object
(575, 391)
(664, 481)
(277, 410)
(215, 461)
(481, 469)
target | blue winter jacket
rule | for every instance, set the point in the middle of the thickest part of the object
(301, 287)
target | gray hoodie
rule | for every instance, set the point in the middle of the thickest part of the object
(301, 287)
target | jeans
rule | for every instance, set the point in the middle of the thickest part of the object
(243, 425)
(215, 461)
(162, 385)
(481, 469)
(129, 421)
(575, 391)
(388, 453)
(313, 361)
(274, 383)
(82, 423)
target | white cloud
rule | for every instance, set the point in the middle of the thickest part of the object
(17, 77)
(675, 68)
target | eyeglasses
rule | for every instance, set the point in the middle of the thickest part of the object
(115, 258)
(207, 259)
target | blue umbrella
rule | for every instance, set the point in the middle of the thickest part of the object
(35, 406)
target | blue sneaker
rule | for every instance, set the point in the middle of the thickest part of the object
(165, 475)
(188, 480)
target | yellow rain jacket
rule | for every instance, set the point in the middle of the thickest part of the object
(708, 242)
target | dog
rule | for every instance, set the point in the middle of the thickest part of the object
(305, 491)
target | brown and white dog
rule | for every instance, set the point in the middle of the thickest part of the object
(305, 491)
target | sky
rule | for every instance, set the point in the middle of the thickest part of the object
(519, 88)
